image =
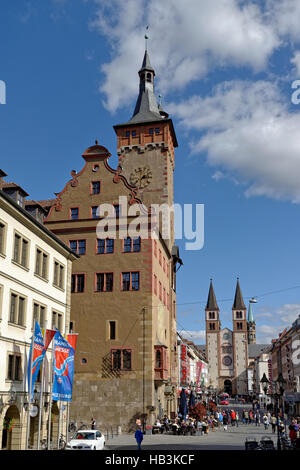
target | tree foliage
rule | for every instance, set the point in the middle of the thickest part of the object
(198, 411)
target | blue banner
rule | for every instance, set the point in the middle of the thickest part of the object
(63, 367)
(37, 343)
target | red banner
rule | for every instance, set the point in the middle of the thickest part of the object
(49, 335)
(72, 340)
(183, 360)
(199, 366)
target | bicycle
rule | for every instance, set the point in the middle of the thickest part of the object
(61, 444)
(72, 428)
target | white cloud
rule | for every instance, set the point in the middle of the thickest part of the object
(249, 131)
(288, 313)
(282, 318)
(284, 16)
(187, 39)
(296, 61)
(195, 336)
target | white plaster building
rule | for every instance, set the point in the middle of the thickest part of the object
(35, 279)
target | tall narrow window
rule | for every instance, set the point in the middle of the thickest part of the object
(126, 281)
(127, 245)
(17, 248)
(2, 238)
(155, 284)
(95, 212)
(14, 367)
(74, 213)
(17, 309)
(117, 210)
(20, 253)
(137, 244)
(78, 283)
(112, 330)
(95, 187)
(39, 315)
(59, 275)
(158, 359)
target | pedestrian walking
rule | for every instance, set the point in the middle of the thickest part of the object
(246, 416)
(139, 438)
(273, 423)
(266, 421)
(93, 423)
(225, 422)
(232, 416)
(257, 418)
(237, 419)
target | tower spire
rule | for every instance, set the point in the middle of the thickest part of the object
(146, 38)
(238, 298)
(250, 314)
(211, 300)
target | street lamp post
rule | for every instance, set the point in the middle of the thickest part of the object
(280, 383)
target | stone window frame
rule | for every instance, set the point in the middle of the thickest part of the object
(18, 295)
(19, 260)
(15, 377)
(61, 276)
(44, 254)
(3, 229)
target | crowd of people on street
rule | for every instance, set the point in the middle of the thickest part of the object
(221, 418)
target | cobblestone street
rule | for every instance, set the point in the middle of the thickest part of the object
(232, 439)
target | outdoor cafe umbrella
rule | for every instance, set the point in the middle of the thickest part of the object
(192, 400)
(183, 408)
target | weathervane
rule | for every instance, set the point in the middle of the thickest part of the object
(146, 37)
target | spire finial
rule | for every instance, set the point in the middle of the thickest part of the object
(146, 37)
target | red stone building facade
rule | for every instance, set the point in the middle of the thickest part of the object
(123, 287)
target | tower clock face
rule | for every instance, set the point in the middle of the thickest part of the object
(226, 336)
(141, 177)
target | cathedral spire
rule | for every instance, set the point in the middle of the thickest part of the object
(211, 301)
(238, 303)
(250, 314)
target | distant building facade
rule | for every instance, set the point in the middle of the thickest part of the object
(230, 352)
(285, 353)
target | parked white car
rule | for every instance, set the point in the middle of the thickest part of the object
(87, 439)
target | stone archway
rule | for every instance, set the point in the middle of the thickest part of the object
(11, 433)
(228, 387)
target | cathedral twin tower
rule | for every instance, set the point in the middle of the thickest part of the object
(227, 350)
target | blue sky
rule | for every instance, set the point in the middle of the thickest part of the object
(224, 69)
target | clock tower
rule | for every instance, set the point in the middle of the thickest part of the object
(145, 146)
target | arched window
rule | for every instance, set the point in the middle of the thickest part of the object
(149, 77)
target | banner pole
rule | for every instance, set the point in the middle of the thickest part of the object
(42, 391)
(59, 423)
(51, 371)
(29, 391)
